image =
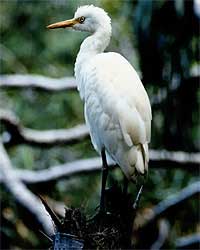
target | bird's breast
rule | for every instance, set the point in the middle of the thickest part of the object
(104, 128)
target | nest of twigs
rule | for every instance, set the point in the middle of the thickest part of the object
(105, 230)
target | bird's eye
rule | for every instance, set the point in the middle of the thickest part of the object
(81, 19)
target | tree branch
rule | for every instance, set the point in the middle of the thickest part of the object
(37, 81)
(169, 204)
(188, 242)
(172, 159)
(59, 171)
(21, 193)
(94, 164)
(163, 234)
(54, 84)
(20, 134)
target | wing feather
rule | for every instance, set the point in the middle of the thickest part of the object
(122, 82)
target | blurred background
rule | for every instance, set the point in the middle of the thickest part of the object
(161, 40)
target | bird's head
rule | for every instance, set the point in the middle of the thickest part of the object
(86, 18)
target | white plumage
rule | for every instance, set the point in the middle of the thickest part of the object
(116, 106)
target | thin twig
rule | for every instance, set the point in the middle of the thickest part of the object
(137, 200)
(54, 217)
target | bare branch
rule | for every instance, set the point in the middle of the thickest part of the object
(57, 136)
(60, 171)
(55, 84)
(188, 242)
(177, 199)
(20, 134)
(169, 204)
(38, 81)
(163, 234)
(21, 193)
(170, 158)
(94, 164)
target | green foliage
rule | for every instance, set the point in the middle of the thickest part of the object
(28, 47)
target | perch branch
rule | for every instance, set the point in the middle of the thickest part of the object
(20, 134)
(21, 193)
(37, 81)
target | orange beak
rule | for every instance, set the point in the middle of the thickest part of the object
(63, 24)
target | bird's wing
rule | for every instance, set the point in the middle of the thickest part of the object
(120, 82)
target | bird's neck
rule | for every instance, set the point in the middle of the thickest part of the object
(97, 42)
(90, 47)
(94, 44)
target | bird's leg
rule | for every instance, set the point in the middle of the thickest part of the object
(104, 178)
(125, 186)
(137, 200)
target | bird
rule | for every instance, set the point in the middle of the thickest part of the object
(117, 109)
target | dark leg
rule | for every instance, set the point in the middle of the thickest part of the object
(125, 186)
(104, 178)
(136, 203)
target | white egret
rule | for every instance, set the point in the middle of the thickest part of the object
(116, 106)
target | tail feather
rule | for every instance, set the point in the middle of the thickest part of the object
(135, 162)
(142, 159)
